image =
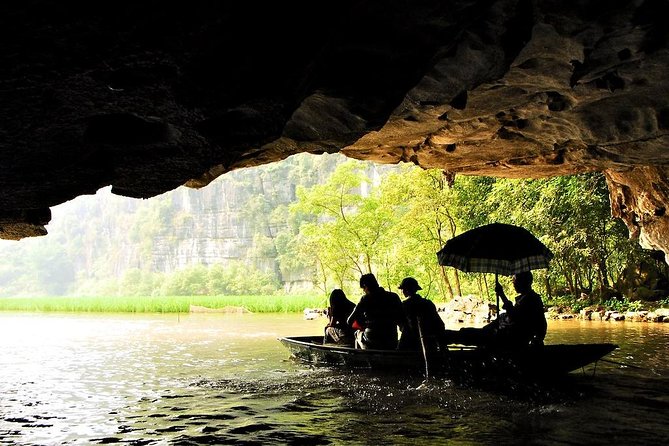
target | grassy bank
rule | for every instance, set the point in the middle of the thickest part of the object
(162, 304)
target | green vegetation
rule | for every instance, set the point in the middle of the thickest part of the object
(162, 304)
(398, 226)
(311, 224)
(233, 280)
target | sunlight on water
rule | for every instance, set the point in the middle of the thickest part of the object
(222, 379)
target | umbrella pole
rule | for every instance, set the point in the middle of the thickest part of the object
(497, 295)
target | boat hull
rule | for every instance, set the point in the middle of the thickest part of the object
(549, 360)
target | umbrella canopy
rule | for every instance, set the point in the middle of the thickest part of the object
(495, 248)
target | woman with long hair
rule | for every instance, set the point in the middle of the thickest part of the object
(338, 331)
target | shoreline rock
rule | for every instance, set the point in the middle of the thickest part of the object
(471, 310)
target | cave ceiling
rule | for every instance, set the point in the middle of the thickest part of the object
(149, 96)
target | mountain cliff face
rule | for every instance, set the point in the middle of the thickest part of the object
(234, 219)
(149, 96)
(228, 221)
(206, 228)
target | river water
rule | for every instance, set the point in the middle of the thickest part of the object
(225, 379)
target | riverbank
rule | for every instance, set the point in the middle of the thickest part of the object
(594, 314)
(164, 304)
(473, 311)
(462, 309)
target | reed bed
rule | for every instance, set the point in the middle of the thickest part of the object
(163, 304)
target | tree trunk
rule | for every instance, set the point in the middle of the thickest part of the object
(487, 290)
(447, 281)
(457, 283)
(549, 291)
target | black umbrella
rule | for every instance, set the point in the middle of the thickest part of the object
(495, 248)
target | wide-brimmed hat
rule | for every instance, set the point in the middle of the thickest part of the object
(410, 284)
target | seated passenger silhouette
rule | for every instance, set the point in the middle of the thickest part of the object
(524, 323)
(379, 312)
(337, 330)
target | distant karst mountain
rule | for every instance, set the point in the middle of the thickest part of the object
(99, 238)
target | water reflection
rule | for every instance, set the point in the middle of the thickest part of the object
(224, 379)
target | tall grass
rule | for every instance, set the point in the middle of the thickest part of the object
(163, 304)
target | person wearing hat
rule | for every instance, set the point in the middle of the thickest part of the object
(421, 319)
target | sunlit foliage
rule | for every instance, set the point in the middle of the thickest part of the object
(311, 224)
(421, 209)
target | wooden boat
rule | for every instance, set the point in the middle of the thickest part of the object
(546, 361)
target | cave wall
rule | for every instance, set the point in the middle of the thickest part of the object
(148, 96)
(639, 197)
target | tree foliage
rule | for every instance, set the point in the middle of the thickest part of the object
(323, 221)
(571, 215)
(421, 209)
(348, 230)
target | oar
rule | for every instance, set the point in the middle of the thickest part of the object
(422, 344)
(622, 364)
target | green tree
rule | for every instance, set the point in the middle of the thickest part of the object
(571, 215)
(348, 232)
(137, 282)
(424, 203)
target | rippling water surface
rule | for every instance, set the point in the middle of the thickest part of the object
(225, 379)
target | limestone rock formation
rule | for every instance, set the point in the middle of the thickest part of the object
(148, 96)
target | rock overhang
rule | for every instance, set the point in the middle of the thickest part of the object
(148, 96)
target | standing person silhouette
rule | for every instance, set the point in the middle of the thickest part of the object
(379, 312)
(338, 331)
